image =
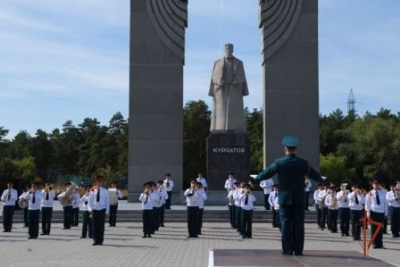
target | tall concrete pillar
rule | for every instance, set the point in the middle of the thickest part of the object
(290, 69)
(156, 92)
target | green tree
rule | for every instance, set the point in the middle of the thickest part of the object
(25, 168)
(42, 152)
(66, 145)
(118, 128)
(254, 126)
(335, 169)
(21, 146)
(373, 148)
(3, 142)
(196, 128)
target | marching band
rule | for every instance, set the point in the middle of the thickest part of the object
(344, 206)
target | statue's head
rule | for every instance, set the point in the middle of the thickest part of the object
(228, 50)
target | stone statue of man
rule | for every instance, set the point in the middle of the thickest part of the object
(228, 86)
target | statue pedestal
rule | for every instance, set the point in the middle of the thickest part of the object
(227, 152)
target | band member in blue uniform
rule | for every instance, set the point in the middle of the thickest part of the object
(291, 171)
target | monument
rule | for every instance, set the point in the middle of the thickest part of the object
(228, 86)
(290, 69)
(156, 92)
(228, 147)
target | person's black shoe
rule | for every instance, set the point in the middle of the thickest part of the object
(287, 253)
(95, 244)
(298, 253)
(83, 237)
(145, 236)
(243, 236)
(162, 225)
(42, 234)
(149, 236)
(5, 231)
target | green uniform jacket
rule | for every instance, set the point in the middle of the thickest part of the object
(291, 171)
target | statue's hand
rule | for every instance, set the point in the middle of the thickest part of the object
(221, 83)
(234, 82)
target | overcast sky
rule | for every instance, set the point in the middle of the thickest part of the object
(68, 60)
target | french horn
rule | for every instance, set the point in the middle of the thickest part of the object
(23, 203)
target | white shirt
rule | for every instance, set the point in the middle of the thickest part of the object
(321, 197)
(114, 198)
(146, 200)
(76, 200)
(156, 199)
(203, 198)
(236, 194)
(267, 185)
(194, 197)
(163, 194)
(38, 198)
(316, 193)
(13, 197)
(85, 199)
(170, 184)
(250, 199)
(49, 202)
(104, 202)
(391, 199)
(343, 199)
(330, 203)
(203, 181)
(308, 185)
(230, 184)
(352, 201)
(276, 203)
(272, 197)
(371, 205)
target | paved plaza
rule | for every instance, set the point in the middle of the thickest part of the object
(123, 246)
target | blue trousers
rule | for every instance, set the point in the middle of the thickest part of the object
(47, 213)
(292, 228)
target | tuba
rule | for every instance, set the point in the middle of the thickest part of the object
(68, 196)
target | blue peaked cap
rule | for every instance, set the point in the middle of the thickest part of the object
(290, 141)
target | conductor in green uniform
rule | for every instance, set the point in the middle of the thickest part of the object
(291, 171)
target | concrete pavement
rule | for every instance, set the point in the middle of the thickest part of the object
(123, 246)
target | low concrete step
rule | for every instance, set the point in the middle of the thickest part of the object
(176, 216)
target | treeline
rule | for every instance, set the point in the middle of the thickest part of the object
(352, 149)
